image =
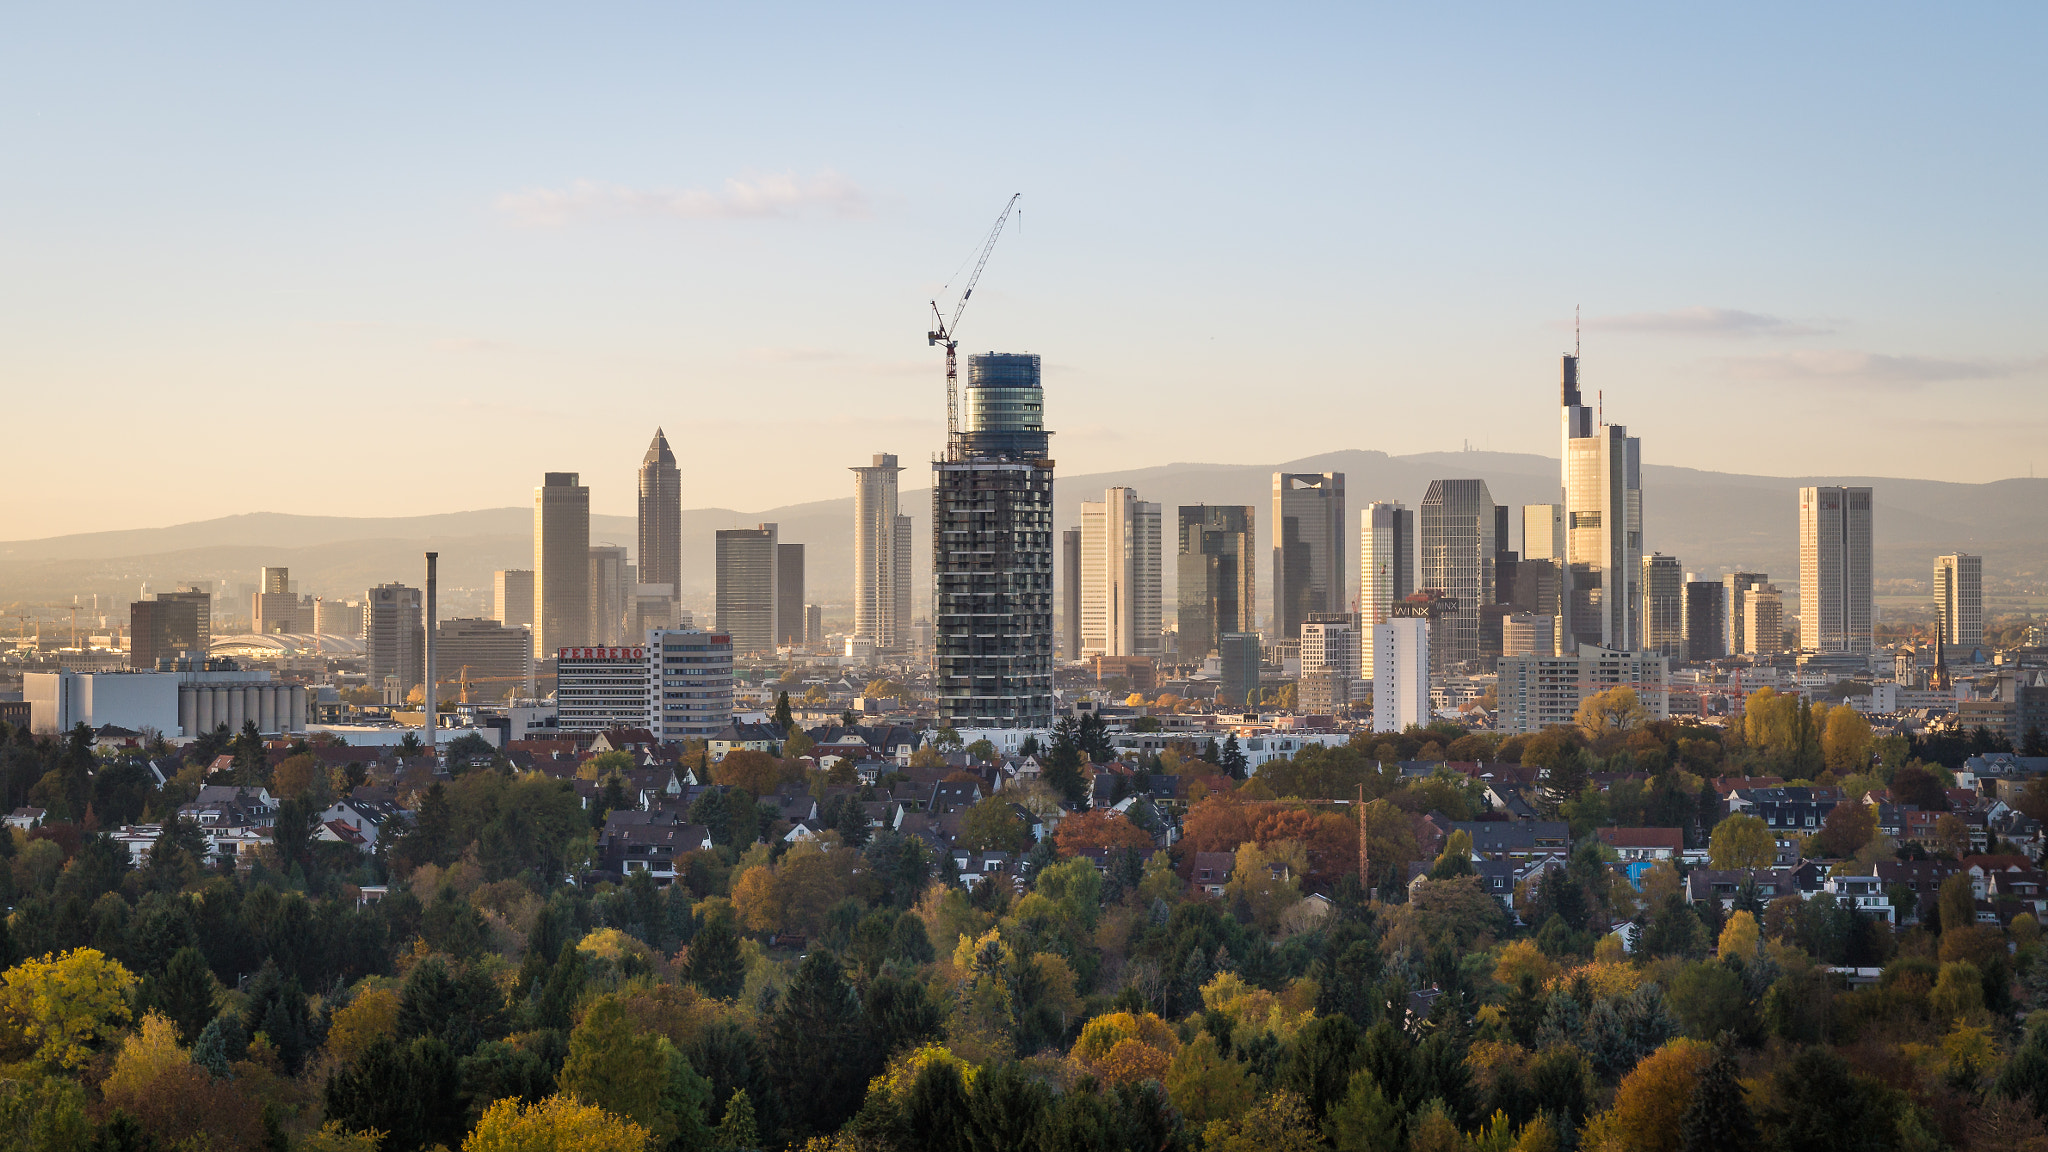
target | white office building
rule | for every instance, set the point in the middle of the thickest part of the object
(1537, 692)
(1835, 579)
(601, 688)
(1120, 575)
(690, 675)
(1400, 682)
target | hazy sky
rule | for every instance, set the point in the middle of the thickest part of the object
(378, 259)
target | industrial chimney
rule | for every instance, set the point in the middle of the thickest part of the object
(432, 590)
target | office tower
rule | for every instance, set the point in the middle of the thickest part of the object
(1734, 586)
(690, 683)
(1120, 585)
(1455, 537)
(611, 583)
(1543, 532)
(1216, 566)
(599, 689)
(660, 554)
(1386, 568)
(1536, 692)
(1525, 634)
(1238, 658)
(1603, 521)
(1834, 570)
(1400, 682)
(338, 617)
(992, 553)
(1663, 611)
(814, 624)
(746, 570)
(202, 607)
(162, 629)
(652, 606)
(561, 564)
(393, 635)
(483, 661)
(1762, 623)
(1308, 550)
(881, 564)
(1070, 595)
(274, 608)
(1706, 620)
(1330, 642)
(512, 596)
(1959, 600)
(789, 594)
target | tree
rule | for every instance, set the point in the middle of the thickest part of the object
(1233, 760)
(1617, 710)
(1845, 741)
(1740, 937)
(605, 764)
(1099, 828)
(185, 993)
(1365, 1120)
(1848, 827)
(460, 1006)
(1279, 1124)
(715, 964)
(1717, 1116)
(784, 720)
(1456, 858)
(1742, 841)
(1649, 1102)
(757, 773)
(981, 751)
(411, 1092)
(1957, 905)
(737, 1130)
(812, 1040)
(1913, 784)
(556, 1124)
(992, 824)
(614, 1068)
(65, 1007)
(1267, 878)
(1205, 1084)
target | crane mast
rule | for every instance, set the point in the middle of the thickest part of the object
(943, 333)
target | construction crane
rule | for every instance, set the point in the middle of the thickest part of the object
(946, 331)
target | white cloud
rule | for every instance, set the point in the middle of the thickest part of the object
(1701, 320)
(750, 197)
(1844, 366)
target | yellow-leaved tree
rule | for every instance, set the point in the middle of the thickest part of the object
(1609, 712)
(1741, 938)
(1742, 841)
(1126, 1047)
(556, 1124)
(1649, 1102)
(57, 1010)
(1845, 741)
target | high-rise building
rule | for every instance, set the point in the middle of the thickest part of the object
(202, 610)
(1330, 643)
(1538, 692)
(789, 594)
(1457, 553)
(1216, 567)
(882, 575)
(1706, 620)
(814, 623)
(561, 562)
(394, 639)
(746, 569)
(1400, 681)
(1603, 521)
(690, 682)
(1663, 611)
(1543, 532)
(512, 596)
(1762, 623)
(992, 553)
(653, 606)
(611, 584)
(1386, 568)
(493, 659)
(1238, 660)
(338, 617)
(1734, 587)
(660, 555)
(1525, 634)
(1308, 550)
(1120, 584)
(275, 607)
(1959, 600)
(1070, 595)
(1835, 579)
(601, 688)
(163, 629)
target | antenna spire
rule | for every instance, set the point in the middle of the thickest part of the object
(1575, 331)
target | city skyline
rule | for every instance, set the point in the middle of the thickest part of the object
(596, 229)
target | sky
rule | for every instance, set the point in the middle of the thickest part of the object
(381, 259)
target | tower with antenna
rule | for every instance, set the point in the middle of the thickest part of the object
(1600, 481)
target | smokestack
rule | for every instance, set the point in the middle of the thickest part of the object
(432, 608)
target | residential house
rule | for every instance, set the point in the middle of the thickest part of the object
(1632, 845)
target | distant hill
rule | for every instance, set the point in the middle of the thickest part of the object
(1713, 522)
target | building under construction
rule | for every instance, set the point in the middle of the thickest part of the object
(992, 531)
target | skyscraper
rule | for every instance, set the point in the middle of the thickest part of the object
(992, 552)
(275, 607)
(202, 606)
(1958, 600)
(1706, 620)
(394, 635)
(1120, 585)
(789, 594)
(1734, 587)
(1457, 557)
(1835, 581)
(512, 596)
(561, 564)
(746, 564)
(1070, 595)
(1603, 520)
(611, 590)
(1386, 569)
(1663, 611)
(1216, 566)
(660, 554)
(1238, 659)
(1400, 683)
(1308, 550)
(1763, 620)
(881, 569)
(162, 629)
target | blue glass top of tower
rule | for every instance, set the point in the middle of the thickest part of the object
(1005, 406)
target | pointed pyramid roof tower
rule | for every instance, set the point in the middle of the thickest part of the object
(658, 453)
